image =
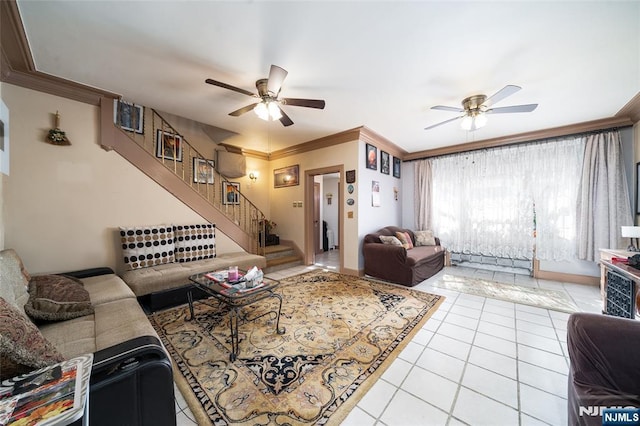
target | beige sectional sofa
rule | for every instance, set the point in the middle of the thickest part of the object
(155, 279)
(130, 364)
(159, 259)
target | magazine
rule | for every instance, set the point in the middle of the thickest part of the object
(38, 398)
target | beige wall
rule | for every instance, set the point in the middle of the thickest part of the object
(63, 204)
(290, 219)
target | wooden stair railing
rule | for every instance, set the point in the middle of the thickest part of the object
(164, 155)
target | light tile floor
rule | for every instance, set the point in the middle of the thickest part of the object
(477, 361)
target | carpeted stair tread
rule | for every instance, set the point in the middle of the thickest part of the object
(282, 260)
(276, 249)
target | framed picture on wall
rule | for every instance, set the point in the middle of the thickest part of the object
(384, 162)
(372, 157)
(128, 116)
(396, 167)
(168, 146)
(286, 176)
(203, 170)
(230, 193)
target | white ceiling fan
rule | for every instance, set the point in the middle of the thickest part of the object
(475, 109)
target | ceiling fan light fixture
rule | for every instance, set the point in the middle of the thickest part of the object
(274, 111)
(480, 120)
(467, 122)
(262, 111)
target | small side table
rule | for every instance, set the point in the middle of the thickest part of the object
(62, 389)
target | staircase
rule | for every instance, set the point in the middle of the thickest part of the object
(280, 257)
(171, 165)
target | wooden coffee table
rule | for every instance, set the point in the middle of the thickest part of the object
(235, 299)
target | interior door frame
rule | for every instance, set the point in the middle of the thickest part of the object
(309, 250)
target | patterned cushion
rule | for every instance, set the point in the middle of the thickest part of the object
(146, 246)
(57, 298)
(195, 242)
(424, 238)
(22, 346)
(390, 240)
(405, 239)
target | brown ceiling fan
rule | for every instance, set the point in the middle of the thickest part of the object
(268, 90)
(475, 108)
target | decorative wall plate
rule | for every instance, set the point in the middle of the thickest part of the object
(350, 189)
(350, 201)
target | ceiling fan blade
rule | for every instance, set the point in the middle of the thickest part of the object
(276, 77)
(501, 94)
(229, 87)
(285, 120)
(309, 103)
(447, 108)
(514, 108)
(444, 122)
(242, 110)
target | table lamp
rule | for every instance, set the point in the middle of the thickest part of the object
(631, 232)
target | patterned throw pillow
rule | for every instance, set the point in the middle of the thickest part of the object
(405, 239)
(393, 241)
(22, 346)
(424, 238)
(57, 298)
(146, 246)
(195, 242)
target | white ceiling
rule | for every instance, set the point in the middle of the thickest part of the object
(380, 64)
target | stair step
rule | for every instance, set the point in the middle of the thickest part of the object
(283, 262)
(276, 249)
(276, 252)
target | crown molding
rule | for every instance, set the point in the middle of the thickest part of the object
(631, 109)
(17, 66)
(369, 136)
(13, 38)
(324, 142)
(555, 132)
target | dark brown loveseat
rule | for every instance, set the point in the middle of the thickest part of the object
(397, 264)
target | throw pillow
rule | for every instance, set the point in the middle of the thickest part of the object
(424, 238)
(195, 242)
(57, 298)
(391, 240)
(146, 246)
(22, 344)
(405, 239)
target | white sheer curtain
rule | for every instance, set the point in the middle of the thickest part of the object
(484, 201)
(422, 194)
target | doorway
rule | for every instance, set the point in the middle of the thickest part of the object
(314, 197)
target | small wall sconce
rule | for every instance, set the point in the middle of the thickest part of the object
(253, 176)
(329, 197)
(57, 136)
(395, 193)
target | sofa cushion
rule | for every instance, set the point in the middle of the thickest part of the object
(195, 242)
(14, 279)
(163, 277)
(405, 240)
(107, 288)
(390, 240)
(424, 238)
(57, 298)
(22, 343)
(144, 246)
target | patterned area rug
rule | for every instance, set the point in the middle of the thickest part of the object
(539, 297)
(342, 332)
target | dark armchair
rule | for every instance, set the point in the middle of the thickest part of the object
(605, 365)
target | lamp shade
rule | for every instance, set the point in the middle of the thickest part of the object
(631, 231)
